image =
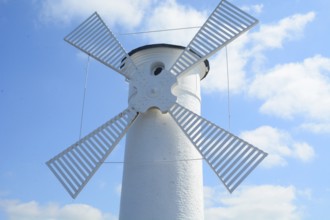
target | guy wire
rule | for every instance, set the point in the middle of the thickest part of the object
(84, 96)
(228, 91)
(156, 31)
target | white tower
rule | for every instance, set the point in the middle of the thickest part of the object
(163, 172)
(167, 137)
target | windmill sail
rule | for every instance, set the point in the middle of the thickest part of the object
(95, 39)
(77, 164)
(225, 24)
(230, 157)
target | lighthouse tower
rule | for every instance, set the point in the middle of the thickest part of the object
(163, 170)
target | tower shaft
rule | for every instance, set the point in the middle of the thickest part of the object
(162, 176)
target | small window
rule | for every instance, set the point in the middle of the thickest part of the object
(157, 68)
(157, 71)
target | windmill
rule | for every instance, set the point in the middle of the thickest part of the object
(166, 136)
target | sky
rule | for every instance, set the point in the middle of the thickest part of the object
(279, 100)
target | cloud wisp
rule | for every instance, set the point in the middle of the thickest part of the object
(297, 89)
(250, 203)
(126, 13)
(270, 202)
(279, 145)
(34, 211)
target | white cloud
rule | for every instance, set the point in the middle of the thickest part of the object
(249, 49)
(131, 14)
(34, 211)
(274, 35)
(319, 127)
(170, 14)
(279, 145)
(252, 203)
(128, 13)
(297, 89)
(253, 8)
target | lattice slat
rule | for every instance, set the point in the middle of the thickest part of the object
(225, 24)
(95, 39)
(230, 157)
(77, 164)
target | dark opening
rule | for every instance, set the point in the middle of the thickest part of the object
(158, 70)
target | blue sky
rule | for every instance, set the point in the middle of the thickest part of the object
(279, 94)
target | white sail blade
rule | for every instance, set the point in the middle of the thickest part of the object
(225, 24)
(75, 166)
(231, 158)
(95, 39)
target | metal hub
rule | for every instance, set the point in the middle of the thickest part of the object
(153, 91)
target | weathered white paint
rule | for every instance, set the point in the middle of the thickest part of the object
(161, 179)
